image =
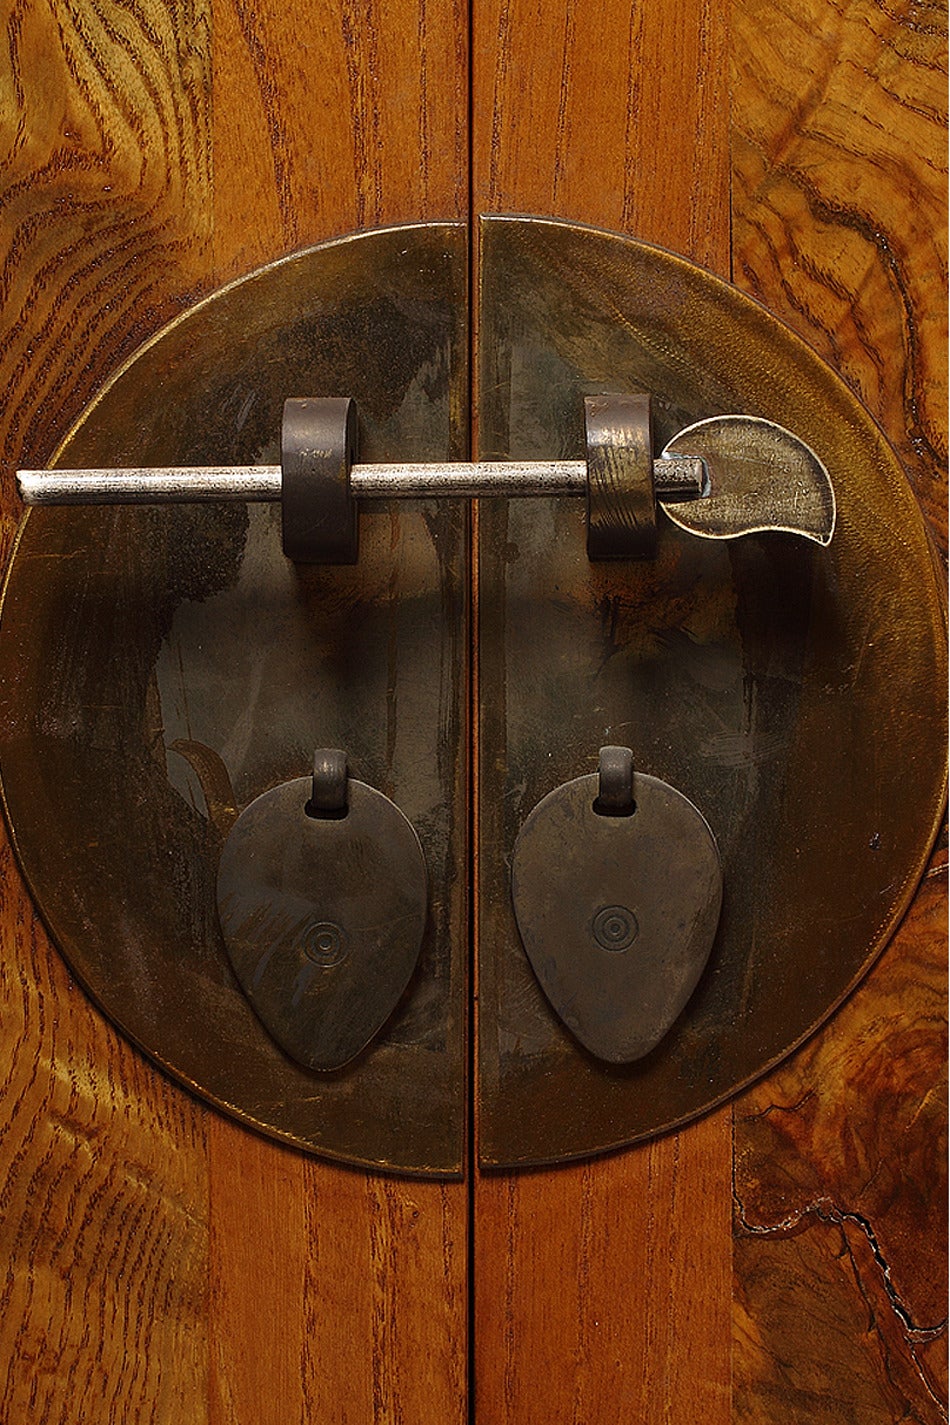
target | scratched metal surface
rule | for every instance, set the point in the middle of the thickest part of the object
(794, 694)
(161, 667)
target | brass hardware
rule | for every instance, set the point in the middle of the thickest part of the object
(761, 480)
(753, 475)
(794, 693)
(616, 885)
(621, 503)
(160, 668)
(318, 441)
(322, 901)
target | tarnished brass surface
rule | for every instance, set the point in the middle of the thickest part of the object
(162, 667)
(761, 478)
(621, 507)
(794, 693)
(323, 915)
(617, 910)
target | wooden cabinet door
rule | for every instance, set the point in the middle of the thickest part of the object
(777, 1261)
(162, 1263)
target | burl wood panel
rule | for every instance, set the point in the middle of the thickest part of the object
(839, 194)
(839, 132)
(602, 1291)
(840, 1187)
(162, 1264)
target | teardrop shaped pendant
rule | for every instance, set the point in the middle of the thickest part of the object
(617, 891)
(322, 899)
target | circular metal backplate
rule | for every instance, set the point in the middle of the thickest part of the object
(161, 668)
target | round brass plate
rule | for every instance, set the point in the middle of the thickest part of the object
(160, 668)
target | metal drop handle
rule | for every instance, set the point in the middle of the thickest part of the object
(727, 479)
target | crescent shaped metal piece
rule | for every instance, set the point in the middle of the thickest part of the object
(761, 478)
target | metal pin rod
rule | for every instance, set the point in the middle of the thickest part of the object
(676, 478)
(168, 485)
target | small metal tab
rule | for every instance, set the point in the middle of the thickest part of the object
(617, 887)
(615, 783)
(328, 788)
(322, 902)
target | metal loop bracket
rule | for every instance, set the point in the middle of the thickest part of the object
(615, 782)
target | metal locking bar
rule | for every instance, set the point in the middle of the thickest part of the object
(675, 478)
(320, 480)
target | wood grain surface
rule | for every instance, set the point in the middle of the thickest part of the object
(106, 199)
(162, 1264)
(840, 1195)
(839, 200)
(344, 117)
(106, 223)
(779, 1261)
(601, 1291)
